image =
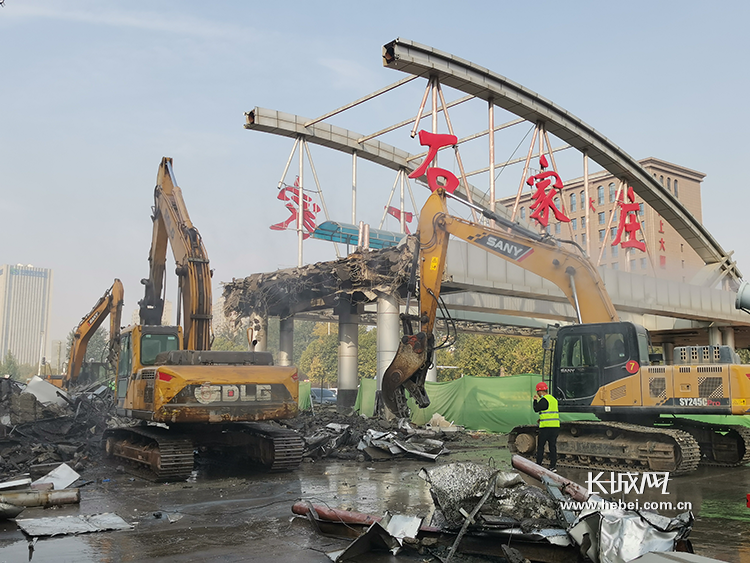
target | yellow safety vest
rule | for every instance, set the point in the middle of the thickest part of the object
(550, 418)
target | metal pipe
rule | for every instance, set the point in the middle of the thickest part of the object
(403, 215)
(41, 498)
(354, 187)
(571, 275)
(491, 127)
(288, 163)
(434, 110)
(472, 137)
(366, 238)
(390, 198)
(514, 161)
(586, 203)
(609, 224)
(523, 174)
(360, 234)
(408, 121)
(571, 488)
(421, 109)
(301, 211)
(320, 191)
(562, 196)
(361, 100)
(457, 153)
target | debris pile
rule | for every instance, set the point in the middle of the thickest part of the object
(331, 434)
(41, 427)
(479, 510)
(359, 276)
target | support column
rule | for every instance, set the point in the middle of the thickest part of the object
(727, 334)
(388, 337)
(286, 341)
(348, 379)
(714, 336)
(668, 348)
(432, 372)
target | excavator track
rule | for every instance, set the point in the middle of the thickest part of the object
(269, 448)
(151, 452)
(615, 446)
(721, 445)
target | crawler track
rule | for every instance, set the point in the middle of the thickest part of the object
(615, 446)
(151, 452)
(725, 445)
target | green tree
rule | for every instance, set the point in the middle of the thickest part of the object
(10, 366)
(97, 348)
(490, 355)
(367, 352)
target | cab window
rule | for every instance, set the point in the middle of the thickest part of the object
(153, 344)
(615, 351)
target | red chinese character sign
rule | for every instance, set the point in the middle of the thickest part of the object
(544, 200)
(436, 142)
(291, 195)
(408, 216)
(629, 224)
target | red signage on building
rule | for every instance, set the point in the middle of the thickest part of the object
(629, 224)
(544, 200)
(408, 216)
(435, 142)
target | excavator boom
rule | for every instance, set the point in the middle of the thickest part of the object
(173, 227)
(109, 304)
(569, 270)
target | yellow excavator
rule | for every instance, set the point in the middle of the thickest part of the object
(216, 402)
(109, 304)
(600, 366)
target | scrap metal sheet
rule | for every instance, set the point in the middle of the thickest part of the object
(66, 525)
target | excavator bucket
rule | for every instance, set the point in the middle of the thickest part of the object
(407, 370)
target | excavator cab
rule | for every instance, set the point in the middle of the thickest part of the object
(589, 356)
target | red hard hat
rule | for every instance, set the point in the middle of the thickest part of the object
(541, 386)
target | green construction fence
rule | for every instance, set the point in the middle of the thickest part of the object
(494, 404)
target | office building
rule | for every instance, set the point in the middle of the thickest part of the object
(25, 299)
(595, 222)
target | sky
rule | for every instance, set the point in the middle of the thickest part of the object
(94, 94)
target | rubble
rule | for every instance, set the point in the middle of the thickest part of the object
(38, 435)
(331, 434)
(359, 276)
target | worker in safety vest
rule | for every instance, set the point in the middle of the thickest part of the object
(549, 424)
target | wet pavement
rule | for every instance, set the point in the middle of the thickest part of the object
(224, 518)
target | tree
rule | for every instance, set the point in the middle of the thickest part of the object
(490, 355)
(97, 349)
(10, 366)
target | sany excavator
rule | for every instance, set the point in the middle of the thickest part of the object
(600, 366)
(211, 401)
(109, 304)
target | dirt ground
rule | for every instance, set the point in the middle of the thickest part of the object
(226, 516)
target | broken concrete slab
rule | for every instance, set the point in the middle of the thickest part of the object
(62, 477)
(66, 525)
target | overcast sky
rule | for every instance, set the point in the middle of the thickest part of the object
(94, 93)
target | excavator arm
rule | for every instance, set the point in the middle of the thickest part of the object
(571, 271)
(109, 304)
(173, 227)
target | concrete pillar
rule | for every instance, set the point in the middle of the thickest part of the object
(668, 348)
(388, 334)
(286, 341)
(432, 372)
(727, 334)
(714, 336)
(348, 379)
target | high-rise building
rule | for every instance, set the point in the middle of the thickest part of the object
(25, 298)
(596, 223)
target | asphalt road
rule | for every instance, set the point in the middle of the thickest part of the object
(225, 518)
